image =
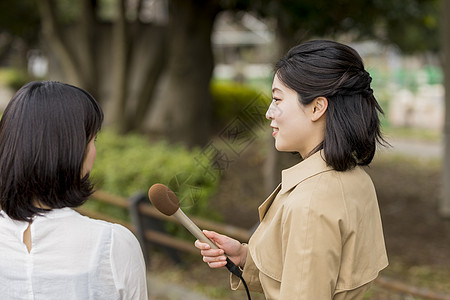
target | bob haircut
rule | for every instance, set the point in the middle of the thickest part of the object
(322, 68)
(44, 133)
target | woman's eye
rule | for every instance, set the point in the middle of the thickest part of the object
(275, 99)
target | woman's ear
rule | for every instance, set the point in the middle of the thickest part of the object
(320, 105)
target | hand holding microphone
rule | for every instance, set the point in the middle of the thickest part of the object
(216, 258)
(167, 202)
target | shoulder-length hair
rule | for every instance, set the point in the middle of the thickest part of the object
(44, 133)
(322, 68)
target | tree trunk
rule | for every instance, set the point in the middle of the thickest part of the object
(54, 37)
(149, 57)
(120, 67)
(87, 42)
(444, 203)
(183, 111)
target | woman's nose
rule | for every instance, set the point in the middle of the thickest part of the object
(270, 112)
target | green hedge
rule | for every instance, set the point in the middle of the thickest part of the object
(231, 100)
(126, 165)
(14, 78)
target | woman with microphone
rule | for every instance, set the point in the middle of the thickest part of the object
(320, 234)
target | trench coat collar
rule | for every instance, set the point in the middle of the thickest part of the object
(309, 167)
(291, 177)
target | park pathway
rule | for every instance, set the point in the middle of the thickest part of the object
(414, 148)
(160, 289)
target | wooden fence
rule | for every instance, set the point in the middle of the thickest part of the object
(146, 224)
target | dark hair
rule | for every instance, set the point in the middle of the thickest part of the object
(321, 68)
(44, 132)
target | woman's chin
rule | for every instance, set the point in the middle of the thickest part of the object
(280, 147)
(283, 148)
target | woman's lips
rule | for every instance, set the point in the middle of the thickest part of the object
(275, 131)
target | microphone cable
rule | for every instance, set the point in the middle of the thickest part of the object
(236, 271)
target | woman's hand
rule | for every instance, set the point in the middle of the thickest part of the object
(216, 258)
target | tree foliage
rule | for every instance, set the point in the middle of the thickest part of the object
(19, 27)
(20, 19)
(106, 47)
(412, 25)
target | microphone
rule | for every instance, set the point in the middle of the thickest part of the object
(165, 200)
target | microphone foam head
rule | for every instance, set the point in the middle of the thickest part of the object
(163, 199)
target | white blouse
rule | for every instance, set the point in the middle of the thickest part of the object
(72, 257)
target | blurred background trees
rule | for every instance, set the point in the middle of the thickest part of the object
(444, 201)
(150, 62)
(122, 51)
(19, 31)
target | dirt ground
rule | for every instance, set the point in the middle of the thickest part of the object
(417, 239)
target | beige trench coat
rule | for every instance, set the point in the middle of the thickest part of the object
(320, 236)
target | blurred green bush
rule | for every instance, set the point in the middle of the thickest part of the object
(232, 100)
(14, 78)
(126, 165)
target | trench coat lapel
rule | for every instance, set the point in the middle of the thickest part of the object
(266, 204)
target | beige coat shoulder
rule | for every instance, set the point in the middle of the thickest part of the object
(320, 234)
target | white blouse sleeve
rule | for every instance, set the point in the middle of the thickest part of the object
(127, 263)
